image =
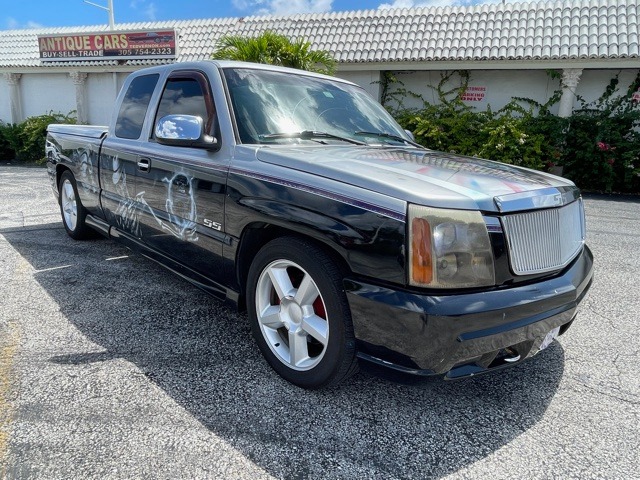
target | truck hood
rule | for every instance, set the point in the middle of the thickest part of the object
(424, 177)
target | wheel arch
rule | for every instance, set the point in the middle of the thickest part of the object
(257, 234)
(60, 169)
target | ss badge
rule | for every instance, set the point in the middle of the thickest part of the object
(211, 224)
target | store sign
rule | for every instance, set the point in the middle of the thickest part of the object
(115, 45)
(474, 94)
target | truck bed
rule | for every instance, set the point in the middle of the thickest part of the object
(89, 131)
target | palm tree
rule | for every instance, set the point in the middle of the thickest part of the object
(274, 49)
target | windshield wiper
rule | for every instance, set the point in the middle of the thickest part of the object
(391, 136)
(309, 135)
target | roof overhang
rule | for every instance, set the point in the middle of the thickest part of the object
(586, 64)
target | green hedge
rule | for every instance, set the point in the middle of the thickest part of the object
(598, 147)
(24, 142)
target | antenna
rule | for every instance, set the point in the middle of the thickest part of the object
(108, 8)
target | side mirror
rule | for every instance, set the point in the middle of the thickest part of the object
(411, 136)
(184, 131)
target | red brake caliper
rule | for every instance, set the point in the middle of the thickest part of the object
(318, 307)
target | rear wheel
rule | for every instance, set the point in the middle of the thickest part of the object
(299, 314)
(71, 209)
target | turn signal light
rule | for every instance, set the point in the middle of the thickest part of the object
(421, 260)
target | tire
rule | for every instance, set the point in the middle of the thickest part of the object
(71, 209)
(299, 314)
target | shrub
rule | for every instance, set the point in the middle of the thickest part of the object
(602, 146)
(452, 126)
(25, 141)
(598, 146)
(449, 126)
(8, 141)
(507, 139)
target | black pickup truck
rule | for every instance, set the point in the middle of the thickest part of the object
(298, 197)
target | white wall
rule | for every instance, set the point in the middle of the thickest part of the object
(593, 83)
(101, 92)
(5, 103)
(496, 88)
(42, 93)
(369, 80)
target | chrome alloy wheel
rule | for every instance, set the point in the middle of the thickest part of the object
(292, 315)
(69, 204)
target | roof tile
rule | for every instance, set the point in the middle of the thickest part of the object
(550, 30)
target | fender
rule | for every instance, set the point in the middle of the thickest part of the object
(78, 150)
(370, 243)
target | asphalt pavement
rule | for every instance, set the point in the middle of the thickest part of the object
(111, 367)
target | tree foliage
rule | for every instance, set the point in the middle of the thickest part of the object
(274, 49)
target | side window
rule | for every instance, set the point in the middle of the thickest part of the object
(186, 96)
(134, 106)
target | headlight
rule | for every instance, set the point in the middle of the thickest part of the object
(449, 249)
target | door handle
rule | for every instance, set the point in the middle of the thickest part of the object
(144, 164)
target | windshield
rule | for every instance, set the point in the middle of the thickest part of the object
(274, 107)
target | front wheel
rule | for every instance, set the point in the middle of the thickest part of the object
(73, 213)
(299, 314)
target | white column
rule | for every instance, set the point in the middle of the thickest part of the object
(13, 80)
(79, 80)
(116, 90)
(570, 79)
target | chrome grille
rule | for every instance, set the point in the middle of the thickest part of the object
(544, 240)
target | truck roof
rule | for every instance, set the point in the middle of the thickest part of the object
(237, 64)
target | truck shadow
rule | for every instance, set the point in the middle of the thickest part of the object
(201, 354)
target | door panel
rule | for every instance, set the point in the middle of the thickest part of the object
(118, 181)
(182, 199)
(181, 190)
(118, 156)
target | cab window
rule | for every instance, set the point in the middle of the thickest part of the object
(187, 94)
(134, 106)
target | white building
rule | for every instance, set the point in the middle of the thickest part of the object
(507, 47)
